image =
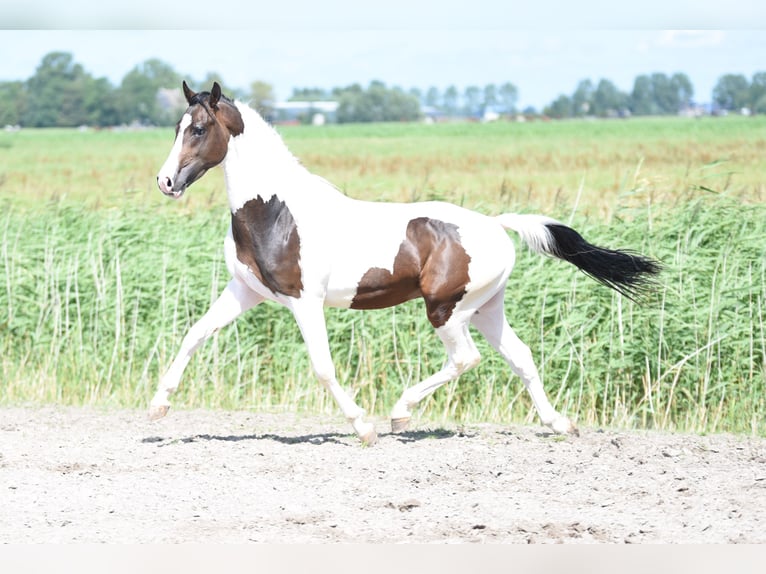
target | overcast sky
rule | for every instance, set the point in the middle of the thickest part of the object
(408, 44)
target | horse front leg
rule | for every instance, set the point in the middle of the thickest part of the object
(309, 314)
(234, 300)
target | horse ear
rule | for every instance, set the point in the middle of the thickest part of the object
(215, 95)
(188, 93)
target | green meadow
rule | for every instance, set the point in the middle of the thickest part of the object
(101, 276)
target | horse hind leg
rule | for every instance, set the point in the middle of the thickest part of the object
(462, 355)
(491, 322)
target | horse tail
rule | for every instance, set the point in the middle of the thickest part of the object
(627, 272)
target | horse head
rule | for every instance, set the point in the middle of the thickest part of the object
(202, 139)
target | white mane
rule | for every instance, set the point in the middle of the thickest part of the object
(258, 161)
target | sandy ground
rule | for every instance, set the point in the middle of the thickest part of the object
(89, 475)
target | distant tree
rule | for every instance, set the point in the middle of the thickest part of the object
(139, 90)
(491, 98)
(13, 101)
(353, 89)
(607, 99)
(401, 107)
(432, 97)
(100, 102)
(732, 92)
(376, 104)
(472, 102)
(683, 89)
(56, 92)
(665, 94)
(758, 93)
(659, 94)
(262, 98)
(582, 99)
(310, 95)
(508, 95)
(642, 96)
(560, 108)
(451, 101)
(61, 93)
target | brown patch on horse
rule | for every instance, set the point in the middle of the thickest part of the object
(268, 243)
(431, 263)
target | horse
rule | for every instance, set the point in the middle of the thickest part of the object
(297, 240)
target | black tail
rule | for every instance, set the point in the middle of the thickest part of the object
(627, 272)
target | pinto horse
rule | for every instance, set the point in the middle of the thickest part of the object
(297, 240)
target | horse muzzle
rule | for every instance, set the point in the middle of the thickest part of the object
(175, 186)
(166, 186)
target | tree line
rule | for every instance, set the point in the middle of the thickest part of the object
(659, 94)
(61, 93)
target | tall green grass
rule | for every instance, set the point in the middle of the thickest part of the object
(100, 276)
(94, 304)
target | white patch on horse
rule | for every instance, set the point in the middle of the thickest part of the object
(532, 229)
(169, 169)
(261, 147)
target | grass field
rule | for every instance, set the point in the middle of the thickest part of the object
(100, 276)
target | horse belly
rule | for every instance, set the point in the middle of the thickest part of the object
(357, 260)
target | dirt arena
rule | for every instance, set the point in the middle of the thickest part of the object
(90, 475)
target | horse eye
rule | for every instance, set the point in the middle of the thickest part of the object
(197, 130)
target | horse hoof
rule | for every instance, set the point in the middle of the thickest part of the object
(370, 438)
(400, 424)
(157, 412)
(563, 425)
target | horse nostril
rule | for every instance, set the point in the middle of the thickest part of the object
(165, 184)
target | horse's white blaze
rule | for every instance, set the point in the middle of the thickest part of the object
(170, 167)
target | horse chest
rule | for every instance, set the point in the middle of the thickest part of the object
(267, 241)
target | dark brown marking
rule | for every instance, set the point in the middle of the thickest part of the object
(431, 263)
(268, 243)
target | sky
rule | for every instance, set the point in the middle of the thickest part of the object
(404, 43)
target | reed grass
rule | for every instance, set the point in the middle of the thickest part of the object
(100, 277)
(95, 303)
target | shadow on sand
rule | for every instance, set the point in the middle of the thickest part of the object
(315, 439)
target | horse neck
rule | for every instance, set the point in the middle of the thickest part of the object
(257, 161)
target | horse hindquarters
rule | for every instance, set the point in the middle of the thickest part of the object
(491, 257)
